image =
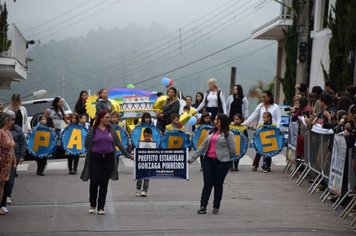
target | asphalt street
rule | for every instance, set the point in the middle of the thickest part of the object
(254, 203)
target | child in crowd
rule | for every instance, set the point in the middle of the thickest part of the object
(115, 122)
(42, 161)
(175, 124)
(141, 190)
(71, 157)
(236, 124)
(266, 167)
(186, 127)
(205, 119)
(83, 121)
(146, 119)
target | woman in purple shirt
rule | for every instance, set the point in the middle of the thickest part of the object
(100, 162)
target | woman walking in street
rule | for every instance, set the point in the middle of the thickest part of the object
(267, 105)
(100, 162)
(7, 154)
(218, 147)
(20, 111)
(214, 100)
(237, 104)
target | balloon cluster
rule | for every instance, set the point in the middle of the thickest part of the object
(166, 82)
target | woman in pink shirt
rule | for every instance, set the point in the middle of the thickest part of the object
(218, 147)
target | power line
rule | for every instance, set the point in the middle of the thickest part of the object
(57, 17)
(230, 61)
(68, 19)
(193, 62)
(193, 46)
(159, 55)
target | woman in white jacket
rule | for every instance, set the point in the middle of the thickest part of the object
(237, 104)
(267, 105)
(20, 111)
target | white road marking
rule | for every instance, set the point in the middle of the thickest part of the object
(245, 161)
(57, 165)
(23, 167)
(279, 160)
(127, 162)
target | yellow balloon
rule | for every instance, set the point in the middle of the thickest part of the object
(184, 118)
(158, 105)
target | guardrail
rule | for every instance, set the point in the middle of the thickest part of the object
(324, 157)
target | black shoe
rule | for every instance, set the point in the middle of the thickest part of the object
(231, 169)
(237, 169)
(70, 171)
(202, 210)
(41, 174)
(74, 172)
(215, 210)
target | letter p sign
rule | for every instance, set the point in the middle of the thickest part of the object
(41, 139)
(175, 142)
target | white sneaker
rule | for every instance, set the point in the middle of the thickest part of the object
(138, 193)
(143, 194)
(5, 210)
(8, 200)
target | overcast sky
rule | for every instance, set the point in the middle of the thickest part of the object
(77, 17)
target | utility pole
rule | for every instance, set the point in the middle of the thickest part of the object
(232, 79)
(303, 41)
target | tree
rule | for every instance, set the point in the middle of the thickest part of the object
(291, 47)
(342, 43)
(4, 42)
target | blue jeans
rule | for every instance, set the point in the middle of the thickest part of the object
(214, 172)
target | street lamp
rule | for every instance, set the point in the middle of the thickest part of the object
(36, 94)
(289, 7)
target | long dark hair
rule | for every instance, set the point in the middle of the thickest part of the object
(101, 91)
(144, 116)
(270, 95)
(240, 92)
(224, 123)
(202, 97)
(100, 115)
(56, 107)
(80, 106)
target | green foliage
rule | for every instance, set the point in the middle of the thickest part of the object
(291, 47)
(4, 42)
(343, 41)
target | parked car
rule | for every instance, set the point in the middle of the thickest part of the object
(36, 108)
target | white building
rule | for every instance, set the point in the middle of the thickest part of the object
(270, 21)
(13, 64)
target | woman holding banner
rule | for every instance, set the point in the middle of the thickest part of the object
(218, 147)
(100, 162)
(267, 105)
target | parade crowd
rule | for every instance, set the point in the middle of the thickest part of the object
(326, 107)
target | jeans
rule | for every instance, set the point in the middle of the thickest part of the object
(9, 185)
(100, 170)
(214, 172)
(146, 183)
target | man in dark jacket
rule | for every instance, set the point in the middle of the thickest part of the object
(20, 152)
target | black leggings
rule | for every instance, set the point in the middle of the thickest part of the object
(100, 170)
(214, 172)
